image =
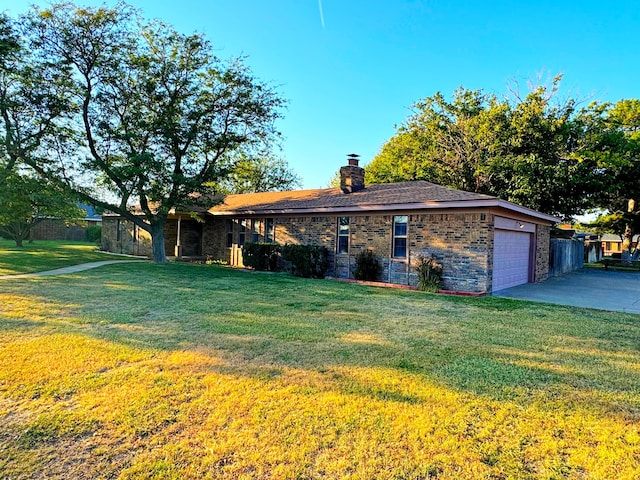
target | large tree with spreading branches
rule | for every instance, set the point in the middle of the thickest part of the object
(154, 116)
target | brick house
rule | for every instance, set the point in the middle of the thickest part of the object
(484, 243)
(612, 244)
(57, 229)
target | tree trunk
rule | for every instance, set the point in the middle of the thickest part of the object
(628, 236)
(18, 239)
(157, 240)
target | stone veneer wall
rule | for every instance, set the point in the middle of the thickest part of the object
(543, 236)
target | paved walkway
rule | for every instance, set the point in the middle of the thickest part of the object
(604, 290)
(71, 269)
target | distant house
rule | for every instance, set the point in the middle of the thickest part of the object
(612, 244)
(484, 243)
(57, 229)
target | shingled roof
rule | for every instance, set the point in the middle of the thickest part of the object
(415, 195)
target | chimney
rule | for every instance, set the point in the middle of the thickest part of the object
(351, 175)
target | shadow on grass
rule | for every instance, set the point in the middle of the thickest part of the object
(259, 325)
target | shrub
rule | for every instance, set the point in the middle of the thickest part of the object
(367, 266)
(261, 256)
(310, 261)
(429, 273)
(94, 233)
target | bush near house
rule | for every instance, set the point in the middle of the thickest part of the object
(429, 273)
(94, 233)
(261, 256)
(367, 266)
(309, 261)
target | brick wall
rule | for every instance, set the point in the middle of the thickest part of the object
(543, 234)
(461, 242)
(51, 229)
(133, 240)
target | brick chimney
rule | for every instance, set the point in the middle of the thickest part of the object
(351, 175)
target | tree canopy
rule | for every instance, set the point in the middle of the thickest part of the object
(26, 201)
(261, 173)
(530, 150)
(146, 114)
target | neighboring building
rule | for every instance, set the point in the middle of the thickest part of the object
(57, 229)
(612, 244)
(484, 243)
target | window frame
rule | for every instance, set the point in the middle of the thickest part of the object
(269, 230)
(255, 230)
(242, 231)
(229, 232)
(342, 234)
(395, 236)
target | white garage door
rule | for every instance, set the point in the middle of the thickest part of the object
(511, 253)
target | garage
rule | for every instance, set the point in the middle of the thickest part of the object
(512, 248)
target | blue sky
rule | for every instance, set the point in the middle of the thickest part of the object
(350, 69)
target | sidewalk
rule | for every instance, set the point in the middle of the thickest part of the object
(70, 269)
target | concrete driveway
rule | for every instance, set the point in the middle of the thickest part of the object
(605, 290)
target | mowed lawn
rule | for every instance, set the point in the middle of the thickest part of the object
(192, 371)
(44, 255)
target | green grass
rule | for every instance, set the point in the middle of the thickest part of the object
(45, 255)
(609, 263)
(193, 371)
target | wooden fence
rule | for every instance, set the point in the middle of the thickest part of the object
(565, 255)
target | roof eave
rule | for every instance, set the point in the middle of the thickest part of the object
(484, 203)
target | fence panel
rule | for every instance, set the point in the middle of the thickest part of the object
(565, 255)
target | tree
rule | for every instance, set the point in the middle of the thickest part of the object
(619, 135)
(158, 115)
(33, 95)
(26, 201)
(263, 173)
(526, 150)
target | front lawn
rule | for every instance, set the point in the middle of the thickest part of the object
(47, 255)
(193, 371)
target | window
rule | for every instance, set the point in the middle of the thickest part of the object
(607, 246)
(269, 231)
(400, 236)
(229, 229)
(242, 232)
(255, 230)
(343, 235)
(118, 230)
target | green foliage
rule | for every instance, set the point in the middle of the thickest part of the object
(429, 273)
(261, 256)
(367, 266)
(94, 233)
(155, 115)
(25, 201)
(533, 151)
(309, 261)
(617, 133)
(263, 173)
